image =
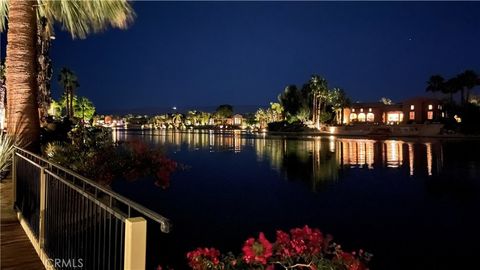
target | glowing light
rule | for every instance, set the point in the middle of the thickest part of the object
(429, 158)
(361, 117)
(457, 118)
(331, 145)
(370, 117)
(410, 158)
(394, 153)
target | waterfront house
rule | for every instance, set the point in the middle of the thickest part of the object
(417, 110)
(235, 120)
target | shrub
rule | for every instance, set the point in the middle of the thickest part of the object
(93, 154)
(301, 248)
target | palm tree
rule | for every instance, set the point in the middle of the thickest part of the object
(45, 70)
(177, 119)
(468, 80)
(319, 89)
(339, 102)
(69, 82)
(77, 17)
(436, 83)
(452, 86)
(83, 109)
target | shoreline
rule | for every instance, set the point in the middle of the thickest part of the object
(319, 133)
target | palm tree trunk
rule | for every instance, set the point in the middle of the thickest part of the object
(462, 96)
(67, 104)
(314, 100)
(319, 108)
(71, 104)
(21, 74)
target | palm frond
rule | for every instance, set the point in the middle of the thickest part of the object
(3, 14)
(6, 150)
(82, 17)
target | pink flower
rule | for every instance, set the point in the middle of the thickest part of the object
(203, 258)
(350, 261)
(301, 242)
(257, 251)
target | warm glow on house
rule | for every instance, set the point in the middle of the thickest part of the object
(370, 117)
(361, 117)
(417, 110)
(394, 117)
(353, 116)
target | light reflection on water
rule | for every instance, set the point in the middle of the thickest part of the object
(322, 157)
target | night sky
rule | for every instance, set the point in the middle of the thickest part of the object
(208, 53)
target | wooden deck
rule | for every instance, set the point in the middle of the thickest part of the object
(16, 251)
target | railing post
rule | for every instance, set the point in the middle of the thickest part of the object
(14, 178)
(135, 243)
(43, 194)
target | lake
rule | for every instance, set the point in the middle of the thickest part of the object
(413, 203)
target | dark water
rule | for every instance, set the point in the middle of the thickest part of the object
(414, 204)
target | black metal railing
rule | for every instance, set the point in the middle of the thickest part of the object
(27, 191)
(74, 220)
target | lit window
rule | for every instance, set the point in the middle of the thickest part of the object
(361, 110)
(412, 107)
(430, 115)
(412, 115)
(430, 107)
(370, 117)
(439, 107)
(353, 116)
(353, 110)
(392, 117)
(361, 117)
(443, 114)
(369, 109)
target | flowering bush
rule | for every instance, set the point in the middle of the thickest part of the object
(93, 154)
(301, 248)
(204, 258)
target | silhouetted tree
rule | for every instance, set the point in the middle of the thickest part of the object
(468, 80)
(68, 80)
(291, 99)
(224, 111)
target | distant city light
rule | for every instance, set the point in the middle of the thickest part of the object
(174, 108)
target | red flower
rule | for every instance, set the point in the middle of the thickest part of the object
(350, 261)
(306, 241)
(203, 258)
(301, 242)
(257, 251)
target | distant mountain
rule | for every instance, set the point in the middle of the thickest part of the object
(159, 110)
